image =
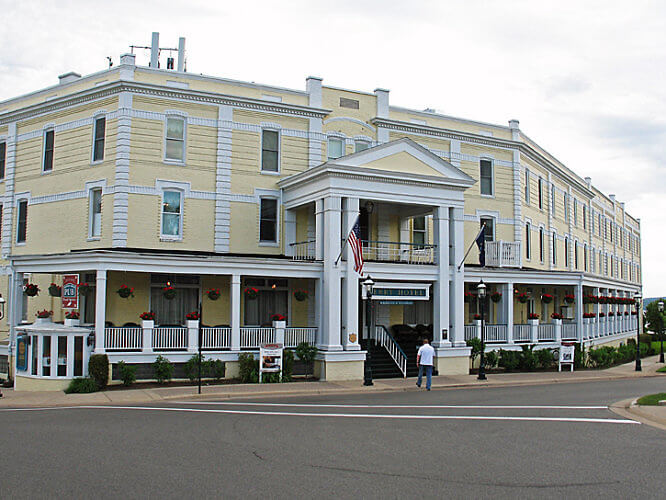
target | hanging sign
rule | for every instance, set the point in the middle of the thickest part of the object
(22, 353)
(566, 356)
(270, 359)
(401, 292)
(70, 297)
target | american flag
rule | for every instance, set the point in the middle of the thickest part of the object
(354, 240)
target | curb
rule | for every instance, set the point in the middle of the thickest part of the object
(629, 408)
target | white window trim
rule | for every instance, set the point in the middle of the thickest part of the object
(90, 186)
(95, 117)
(273, 128)
(170, 161)
(553, 242)
(492, 176)
(19, 199)
(528, 240)
(47, 128)
(527, 187)
(336, 137)
(542, 246)
(170, 237)
(278, 208)
(494, 218)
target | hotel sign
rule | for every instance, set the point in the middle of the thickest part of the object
(70, 288)
(401, 292)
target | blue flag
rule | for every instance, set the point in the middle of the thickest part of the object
(481, 243)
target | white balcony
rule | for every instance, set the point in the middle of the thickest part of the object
(503, 254)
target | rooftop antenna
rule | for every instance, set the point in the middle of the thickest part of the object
(110, 61)
(156, 51)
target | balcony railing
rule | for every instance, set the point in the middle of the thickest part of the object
(303, 250)
(503, 254)
(396, 251)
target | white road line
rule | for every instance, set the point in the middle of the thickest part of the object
(316, 405)
(342, 415)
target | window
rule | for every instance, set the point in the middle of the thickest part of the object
(566, 252)
(584, 217)
(552, 200)
(172, 214)
(172, 312)
(419, 236)
(575, 212)
(490, 228)
(336, 148)
(585, 266)
(541, 244)
(528, 241)
(600, 225)
(540, 192)
(486, 168)
(361, 146)
(566, 207)
(612, 226)
(554, 249)
(3, 154)
(0, 221)
(49, 140)
(273, 298)
(270, 151)
(268, 220)
(175, 138)
(22, 221)
(576, 254)
(527, 187)
(95, 213)
(98, 141)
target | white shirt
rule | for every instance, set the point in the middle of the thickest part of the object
(426, 353)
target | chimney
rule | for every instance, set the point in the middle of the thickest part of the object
(68, 77)
(588, 181)
(155, 50)
(612, 198)
(382, 103)
(514, 126)
(128, 59)
(181, 54)
(313, 88)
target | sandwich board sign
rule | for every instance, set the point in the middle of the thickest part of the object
(566, 356)
(270, 359)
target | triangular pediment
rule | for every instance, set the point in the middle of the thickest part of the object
(403, 155)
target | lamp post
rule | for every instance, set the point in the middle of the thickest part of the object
(637, 298)
(660, 308)
(368, 285)
(481, 293)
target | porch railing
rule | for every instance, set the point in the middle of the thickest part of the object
(521, 333)
(495, 333)
(215, 338)
(125, 339)
(470, 332)
(546, 331)
(569, 331)
(386, 340)
(169, 338)
(503, 254)
(253, 337)
(294, 336)
(303, 250)
(395, 251)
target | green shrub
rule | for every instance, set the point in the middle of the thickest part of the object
(98, 368)
(287, 365)
(508, 360)
(307, 354)
(162, 369)
(545, 358)
(601, 357)
(491, 359)
(82, 385)
(475, 344)
(248, 369)
(527, 360)
(216, 369)
(580, 357)
(191, 368)
(270, 378)
(127, 373)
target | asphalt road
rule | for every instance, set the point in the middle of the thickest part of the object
(549, 441)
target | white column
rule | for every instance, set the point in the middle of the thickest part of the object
(289, 231)
(330, 334)
(404, 238)
(507, 302)
(192, 336)
(597, 309)
(235, 302)
(558, 330)
(70, 355)
(147, 333)
(100, 310)
(578, 305)
(15, 311)
(319, 229)
(350, 281)
(457, 310)
(440, 288)
(318, 308)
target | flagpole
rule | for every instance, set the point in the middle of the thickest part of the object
(470, 247)
(344, 245)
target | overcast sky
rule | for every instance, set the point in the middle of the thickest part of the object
(585, 78)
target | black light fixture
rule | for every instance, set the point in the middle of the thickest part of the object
(368, 285)
(637, 298)
(660, 308)
(481, 294)
(369, 206)
(2, 306)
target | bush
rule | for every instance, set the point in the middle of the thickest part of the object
(491, 359)
(162, 369)
(545, 358)
(527, 360)
(475, 344)
(508, 360)
(191, 368)
(98, 368)
(248, 368)
(127, 373)
(287, 365)
(579, 357)
(307, 353)
(82, 385)
(216, 369)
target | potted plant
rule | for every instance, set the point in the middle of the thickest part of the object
(468, 297)
(251, 293)
(301, 295)
(55, 290)
(533, 317)
(588, 315)
(556, 316)
(147, 319)
(169, 292)
(72, 318)
(626, 313)
(213, 293)
(546, 298)
(84, 288)
(43, 316)
(278, 320)
(477, 317)
(602, 315)
(31, 290)
(496, 296)
(522, 297)
(124, 291)
(192, 319)
(569, 298)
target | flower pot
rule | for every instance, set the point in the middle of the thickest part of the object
(192, 323)
(213, 295)
(147, 323)
(31, 291)
(72, 322)
(300, 296)
(55, 291)
(41, 321)
(169, 294)
(279, 324)
(125, 292)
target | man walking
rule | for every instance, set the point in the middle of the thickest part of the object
(424, 360)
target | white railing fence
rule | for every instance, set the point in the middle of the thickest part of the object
(495, 333)
(470, 332)
(215, 338)
(521, 333)
(569, 331)
(546, 331)
(384, 339)
(166, 338)
(253, 337)
(503, 254)
(396, 251)
(303, 250)
(123, 338)
(294, 336)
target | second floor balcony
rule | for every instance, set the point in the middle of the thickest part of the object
(376, 251)
(503, 254)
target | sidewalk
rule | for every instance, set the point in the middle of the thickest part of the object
(13, 399)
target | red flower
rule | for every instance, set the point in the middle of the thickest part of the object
(193, 316)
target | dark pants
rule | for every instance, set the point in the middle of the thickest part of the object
(428, 370)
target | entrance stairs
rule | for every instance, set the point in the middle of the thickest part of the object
(383, 365)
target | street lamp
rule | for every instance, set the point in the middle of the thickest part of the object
(660, 307)
(2, 307)
(481, 294)
(368, 285)
(637, 298)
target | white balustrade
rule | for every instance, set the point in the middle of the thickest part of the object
(294, 336)
(215, 338)
(521, 333)
(304, 250)
(122, 338)
(253, 337)
(495, 333)
(569, 331)
(546, 332)
(470, 332)
(503, 254)
(167, 338)
(384, 339)
(396, 251)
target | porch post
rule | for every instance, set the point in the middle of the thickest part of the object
(235, 302)
(330, 335)
(595, 325)
(440, 291)
(100, 310)
(319, 229)
(350, 281)
(289, 231)
(404, 238)
(14, 316)
(578, 305)
(507, 298)
(457, 311)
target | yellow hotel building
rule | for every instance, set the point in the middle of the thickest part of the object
(154, 178)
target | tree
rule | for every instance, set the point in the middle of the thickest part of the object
(307, 353)
(654, 320)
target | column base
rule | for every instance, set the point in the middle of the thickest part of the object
(344, 365)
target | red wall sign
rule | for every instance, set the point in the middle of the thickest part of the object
(70, 296)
